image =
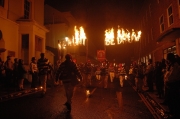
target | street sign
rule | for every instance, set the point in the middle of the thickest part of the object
(101, 55)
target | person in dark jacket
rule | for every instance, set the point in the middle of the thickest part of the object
(104, 74)
(21, 74)
(68, 72)
(43, 68)
(15, 72)
(172, 83)
(149, 75)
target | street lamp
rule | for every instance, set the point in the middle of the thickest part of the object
(59, 51)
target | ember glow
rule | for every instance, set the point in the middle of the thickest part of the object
(123, 36)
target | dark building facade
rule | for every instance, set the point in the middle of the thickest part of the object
(159, 21)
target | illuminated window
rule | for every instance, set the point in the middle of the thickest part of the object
(150, 56)
(27, 8)
(170, 15)
(161, 22)
(169, 50)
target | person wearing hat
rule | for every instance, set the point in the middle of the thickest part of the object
(68, 72)
(43, 68)
(34, 73)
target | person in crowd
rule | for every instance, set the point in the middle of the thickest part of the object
(131, 75)
(2, 73)
(21, 74)
(177, 59)
(87, 71)
(149, 75)
(9, 72)
(15, 72)
(165, 75)
(172, 83)
(145, 78)
(34, 72)
(104, 74)
(59, 82)
(68, 72)
(122, 73)
(43, 68)
(98, 73)
(159, 81)
(111, 72)
(138, 71)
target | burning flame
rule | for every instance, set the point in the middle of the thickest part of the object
(122, 36)
(79, 37)
(109, 37)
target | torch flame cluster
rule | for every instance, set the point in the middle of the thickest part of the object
(79, 37)
(122, 36)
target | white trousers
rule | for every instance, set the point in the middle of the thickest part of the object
(111, 74)
(121, 80)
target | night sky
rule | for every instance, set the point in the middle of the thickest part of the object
(98, 15)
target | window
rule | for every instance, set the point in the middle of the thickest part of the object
(151, 33)
(161, 22)
(179, 7)
(25, 48)
(38, 43)
(2, 3)
(170, 16)
(1, 36)
(146, 16)
(148, 37)
(150, 11)
(27, 8)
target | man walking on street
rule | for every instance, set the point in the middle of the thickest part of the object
(43, 67)
(68, 72)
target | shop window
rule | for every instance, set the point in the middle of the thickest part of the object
(169, 50)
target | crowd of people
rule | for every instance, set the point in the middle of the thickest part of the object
(162, 77)
(13, 74)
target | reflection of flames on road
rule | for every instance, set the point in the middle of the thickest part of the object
(122, 36)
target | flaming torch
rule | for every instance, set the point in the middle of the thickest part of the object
(79, 37)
